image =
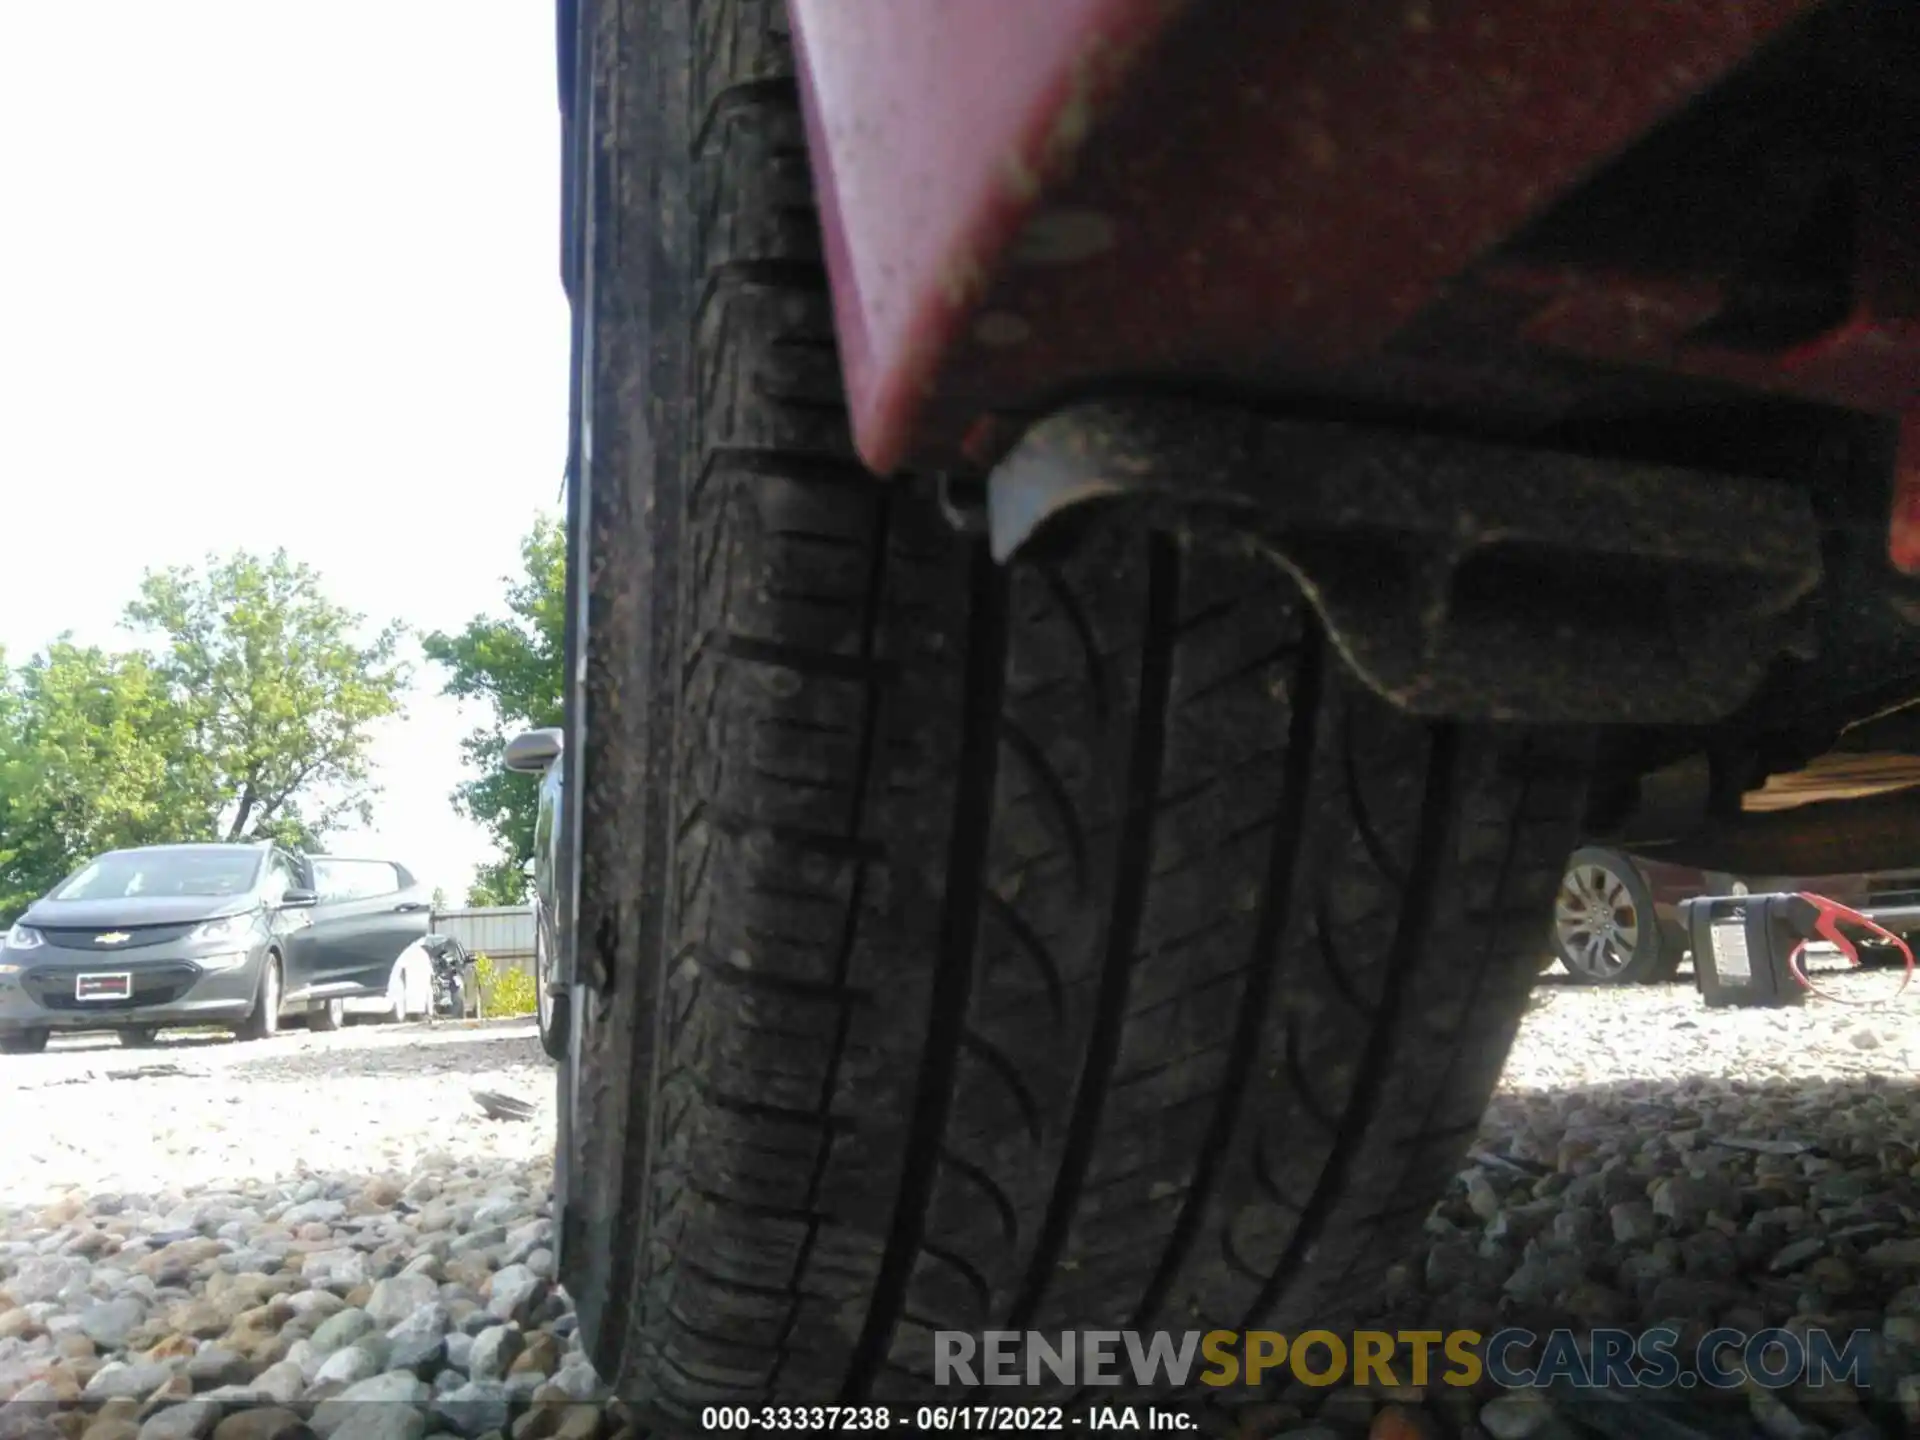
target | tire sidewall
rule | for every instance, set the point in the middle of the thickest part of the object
(542, 1002)
(264, 1024)
(551, 1011)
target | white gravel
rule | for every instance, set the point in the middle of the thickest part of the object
(204, 1228)
(193, 1112)
(1576, 1035)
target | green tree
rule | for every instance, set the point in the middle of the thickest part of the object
(276, 695)
(90, 760)
(514, 662)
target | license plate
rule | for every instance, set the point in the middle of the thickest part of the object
(103, 987)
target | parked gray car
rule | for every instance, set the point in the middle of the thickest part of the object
(242, 935)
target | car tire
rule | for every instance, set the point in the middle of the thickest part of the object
(24, 1042)
(1066, 945)
(327, 1016)
(1605, 928)
(138, 1037)
(264, 1022)
(550, 1010)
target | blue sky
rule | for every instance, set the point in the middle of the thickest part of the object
(282, 275)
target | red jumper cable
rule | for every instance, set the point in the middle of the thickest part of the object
(1828, 916)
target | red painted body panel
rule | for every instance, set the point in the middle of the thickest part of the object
(1025, 201)
(934, 125)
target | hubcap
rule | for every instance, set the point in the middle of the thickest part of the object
(1596, 921)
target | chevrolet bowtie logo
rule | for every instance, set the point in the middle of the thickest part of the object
(112, 937)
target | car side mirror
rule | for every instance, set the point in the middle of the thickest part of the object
(531, 751)
(299, 900)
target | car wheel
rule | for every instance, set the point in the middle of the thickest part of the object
(264, 1022)
(1060, 946)
(23, 1042)
(327, 1015)
(549, 1009)
(1605, 930)
(138, 1037)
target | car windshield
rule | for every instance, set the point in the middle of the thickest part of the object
(133, 873)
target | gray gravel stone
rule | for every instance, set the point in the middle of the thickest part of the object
(395, 1391)
(398, 1296)
(1632, 1222)
(420, 1341)
(1515, 1417)
(1793, 1256)
(391, 1387)
(312, 1211)
(1902, 1254)
(338, 1331)
(493, 1351)
(578, 1379)
(109, 1323)
(459, 1350)
(215, 1365)
(361, 1360)
(188, 1421)
(515, 1291)
(46, 1278)
(283, 1383)
(473, 1408)
(119, 1380)
(381, 1422)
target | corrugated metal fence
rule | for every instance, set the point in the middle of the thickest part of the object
(503, 933)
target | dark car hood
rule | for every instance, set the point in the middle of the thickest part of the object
(134, 911)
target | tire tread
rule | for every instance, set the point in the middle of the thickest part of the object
(1070, 944)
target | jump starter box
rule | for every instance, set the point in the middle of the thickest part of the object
(1742, 948)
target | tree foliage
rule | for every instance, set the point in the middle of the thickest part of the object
(245, 716)
(515, 663)
(277, 695)
(87, 763)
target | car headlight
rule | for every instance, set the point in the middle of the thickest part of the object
(231, 927)
(7, 972)
(231, 961)
(24, 937)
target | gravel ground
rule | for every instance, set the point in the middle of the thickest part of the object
(196, 1237)
(193, 1113)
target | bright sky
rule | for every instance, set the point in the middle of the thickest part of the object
(283, 275)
